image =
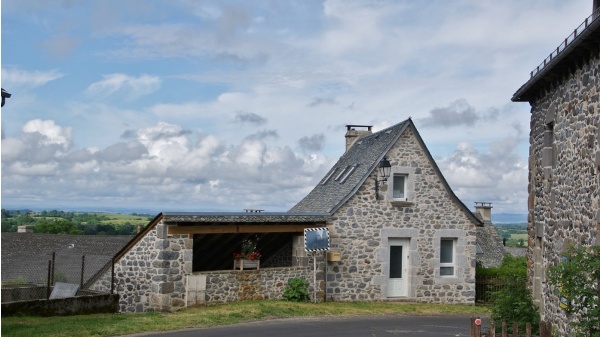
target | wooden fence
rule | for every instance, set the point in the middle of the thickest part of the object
(545, 329)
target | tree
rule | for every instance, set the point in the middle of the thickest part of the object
(577, 277)
(56, 226)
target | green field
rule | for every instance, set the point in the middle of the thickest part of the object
(121, 219)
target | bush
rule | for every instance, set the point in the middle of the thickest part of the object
(296, 290)
(576, 280)
(514, 303)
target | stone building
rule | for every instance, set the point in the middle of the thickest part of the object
(407, 237)
(490, 248)
(564, 158)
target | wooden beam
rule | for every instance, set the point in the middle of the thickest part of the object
(232, 229)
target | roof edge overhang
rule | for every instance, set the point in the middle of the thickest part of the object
(525, 94)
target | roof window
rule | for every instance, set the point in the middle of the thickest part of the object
(329, 176)
(352, 168)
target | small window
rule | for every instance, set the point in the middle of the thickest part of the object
(348, 174)
(447, 257)
(399, 189)
(329, 176)
(341, 173)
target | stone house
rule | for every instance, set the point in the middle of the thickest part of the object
(564, 158)
(490, 248)
(406, 238)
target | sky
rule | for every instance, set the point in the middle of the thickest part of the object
(184, 105)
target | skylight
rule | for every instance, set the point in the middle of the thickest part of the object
(342, 173)
(348, 173)
(329, 176)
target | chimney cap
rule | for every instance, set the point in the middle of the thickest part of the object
(483, 204)
(352, 126)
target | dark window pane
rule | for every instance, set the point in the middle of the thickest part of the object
(396, 262)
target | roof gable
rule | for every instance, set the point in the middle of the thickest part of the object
(350, 172)
(333, 190)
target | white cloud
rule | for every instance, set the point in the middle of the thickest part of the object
(129, 87)
(52, 133)
(494, 176)
(163, 163)
(14, 77)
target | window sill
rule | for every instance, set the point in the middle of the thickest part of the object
(402, 203)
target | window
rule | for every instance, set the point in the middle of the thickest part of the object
(447, 257)
(348, 173)
(333, 170)
(399, 189)
(549, 153)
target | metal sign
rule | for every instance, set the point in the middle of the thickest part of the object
(64, 290)
(316, 239)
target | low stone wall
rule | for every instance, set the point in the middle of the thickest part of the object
(23, 293)
(229, 286)
(80, 305)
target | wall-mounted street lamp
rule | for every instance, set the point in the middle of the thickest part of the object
(4, 96)
(385, 169)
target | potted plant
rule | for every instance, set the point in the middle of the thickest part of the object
(249, 257)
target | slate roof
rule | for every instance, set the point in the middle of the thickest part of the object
(243, 217)
(333, 190)
(364, 155)
(25, 255)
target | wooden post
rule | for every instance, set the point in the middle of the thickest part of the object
(112, 276)
(515, 329)
(504, 329)
(528, 329)
(545, 329)
(473, 327)
(53, 261)
(492, 329)
(49, 279)
(82, 270)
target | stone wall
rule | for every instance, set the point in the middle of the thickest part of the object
(79, 305)
(150, 276)
(361, 229)
(564, 178)
(265, 284)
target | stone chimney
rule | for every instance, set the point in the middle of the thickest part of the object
(352, 135)
(485, 210)
(25, 229)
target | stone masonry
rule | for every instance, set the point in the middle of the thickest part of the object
(564, 178)
(150, 276)
(361, 228)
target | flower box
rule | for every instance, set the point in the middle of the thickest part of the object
(242, 264)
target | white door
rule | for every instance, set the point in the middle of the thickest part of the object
(398, 271)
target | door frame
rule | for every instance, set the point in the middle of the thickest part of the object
(405, 243)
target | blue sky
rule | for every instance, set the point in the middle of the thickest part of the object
(225, 105)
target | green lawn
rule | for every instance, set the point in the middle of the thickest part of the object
(198, 317)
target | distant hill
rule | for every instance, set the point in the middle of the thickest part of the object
(498, 218)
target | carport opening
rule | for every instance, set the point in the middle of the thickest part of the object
(215, 251)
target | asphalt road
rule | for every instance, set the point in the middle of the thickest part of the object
(356, 326)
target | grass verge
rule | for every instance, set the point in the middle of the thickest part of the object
(208, 316)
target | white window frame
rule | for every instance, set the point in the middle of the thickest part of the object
(405, 191)
(451, 264)
(409, 186)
